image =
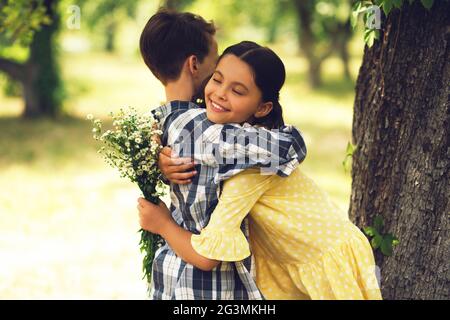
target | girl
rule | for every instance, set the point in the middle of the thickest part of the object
(304, 247)
(187, 129)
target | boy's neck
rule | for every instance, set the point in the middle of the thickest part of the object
(181, 89)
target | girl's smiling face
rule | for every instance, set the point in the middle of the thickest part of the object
(231, 94)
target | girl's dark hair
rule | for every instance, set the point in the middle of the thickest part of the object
(269, 75)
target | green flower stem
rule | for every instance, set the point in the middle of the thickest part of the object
(149, 242)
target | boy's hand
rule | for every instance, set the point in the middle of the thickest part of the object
(174, 168)
(153, 218)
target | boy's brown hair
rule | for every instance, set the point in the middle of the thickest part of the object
(169, 37)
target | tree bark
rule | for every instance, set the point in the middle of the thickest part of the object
(42, 86)
(401, 163)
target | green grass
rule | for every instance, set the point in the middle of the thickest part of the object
(69, 223)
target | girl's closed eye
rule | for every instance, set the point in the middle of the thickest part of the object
(239, 93)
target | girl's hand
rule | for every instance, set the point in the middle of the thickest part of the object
(153, 218)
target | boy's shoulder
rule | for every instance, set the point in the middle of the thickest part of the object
(174, 109)
(164, 110)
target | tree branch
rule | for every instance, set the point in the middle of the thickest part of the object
(11, 68)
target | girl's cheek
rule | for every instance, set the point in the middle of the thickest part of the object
(212, 89)
(209, 86)
(207, 90)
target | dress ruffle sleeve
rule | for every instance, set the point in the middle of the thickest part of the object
(229, 245)
(222, 239)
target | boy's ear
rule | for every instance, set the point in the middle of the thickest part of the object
(263, 109)
(193, 64)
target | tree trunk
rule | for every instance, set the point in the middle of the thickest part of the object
(275, 22)
(342, 38)
(304, 10)
(42, 84)
(343, 53)
(401, 163)
(173, 4)
(314, 71)
(111, 32)
(309, 42)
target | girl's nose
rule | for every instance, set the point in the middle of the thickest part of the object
(220, 94)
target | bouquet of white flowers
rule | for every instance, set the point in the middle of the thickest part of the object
(133, 148)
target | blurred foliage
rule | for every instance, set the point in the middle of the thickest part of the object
(106, 16)
(178, 5)
(323, 29)
(11, 88)
(240, 19)
(324, 33)
(20, 19)
(320, 28)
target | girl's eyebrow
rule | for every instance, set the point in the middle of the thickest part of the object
(220, 73)
(234, 82)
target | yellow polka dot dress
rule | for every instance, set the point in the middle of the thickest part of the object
(304, 246)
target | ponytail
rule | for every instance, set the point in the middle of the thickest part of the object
(274, 119)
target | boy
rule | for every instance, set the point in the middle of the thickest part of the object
(180, 50)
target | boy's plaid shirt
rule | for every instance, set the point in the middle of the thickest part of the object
(186, 125)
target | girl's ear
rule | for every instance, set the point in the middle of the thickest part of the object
(263, 109)
(193, 64)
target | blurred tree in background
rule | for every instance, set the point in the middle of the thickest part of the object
(34, 25)
(105, 16)
(323, 29)
(322, 26)
(178, 5)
